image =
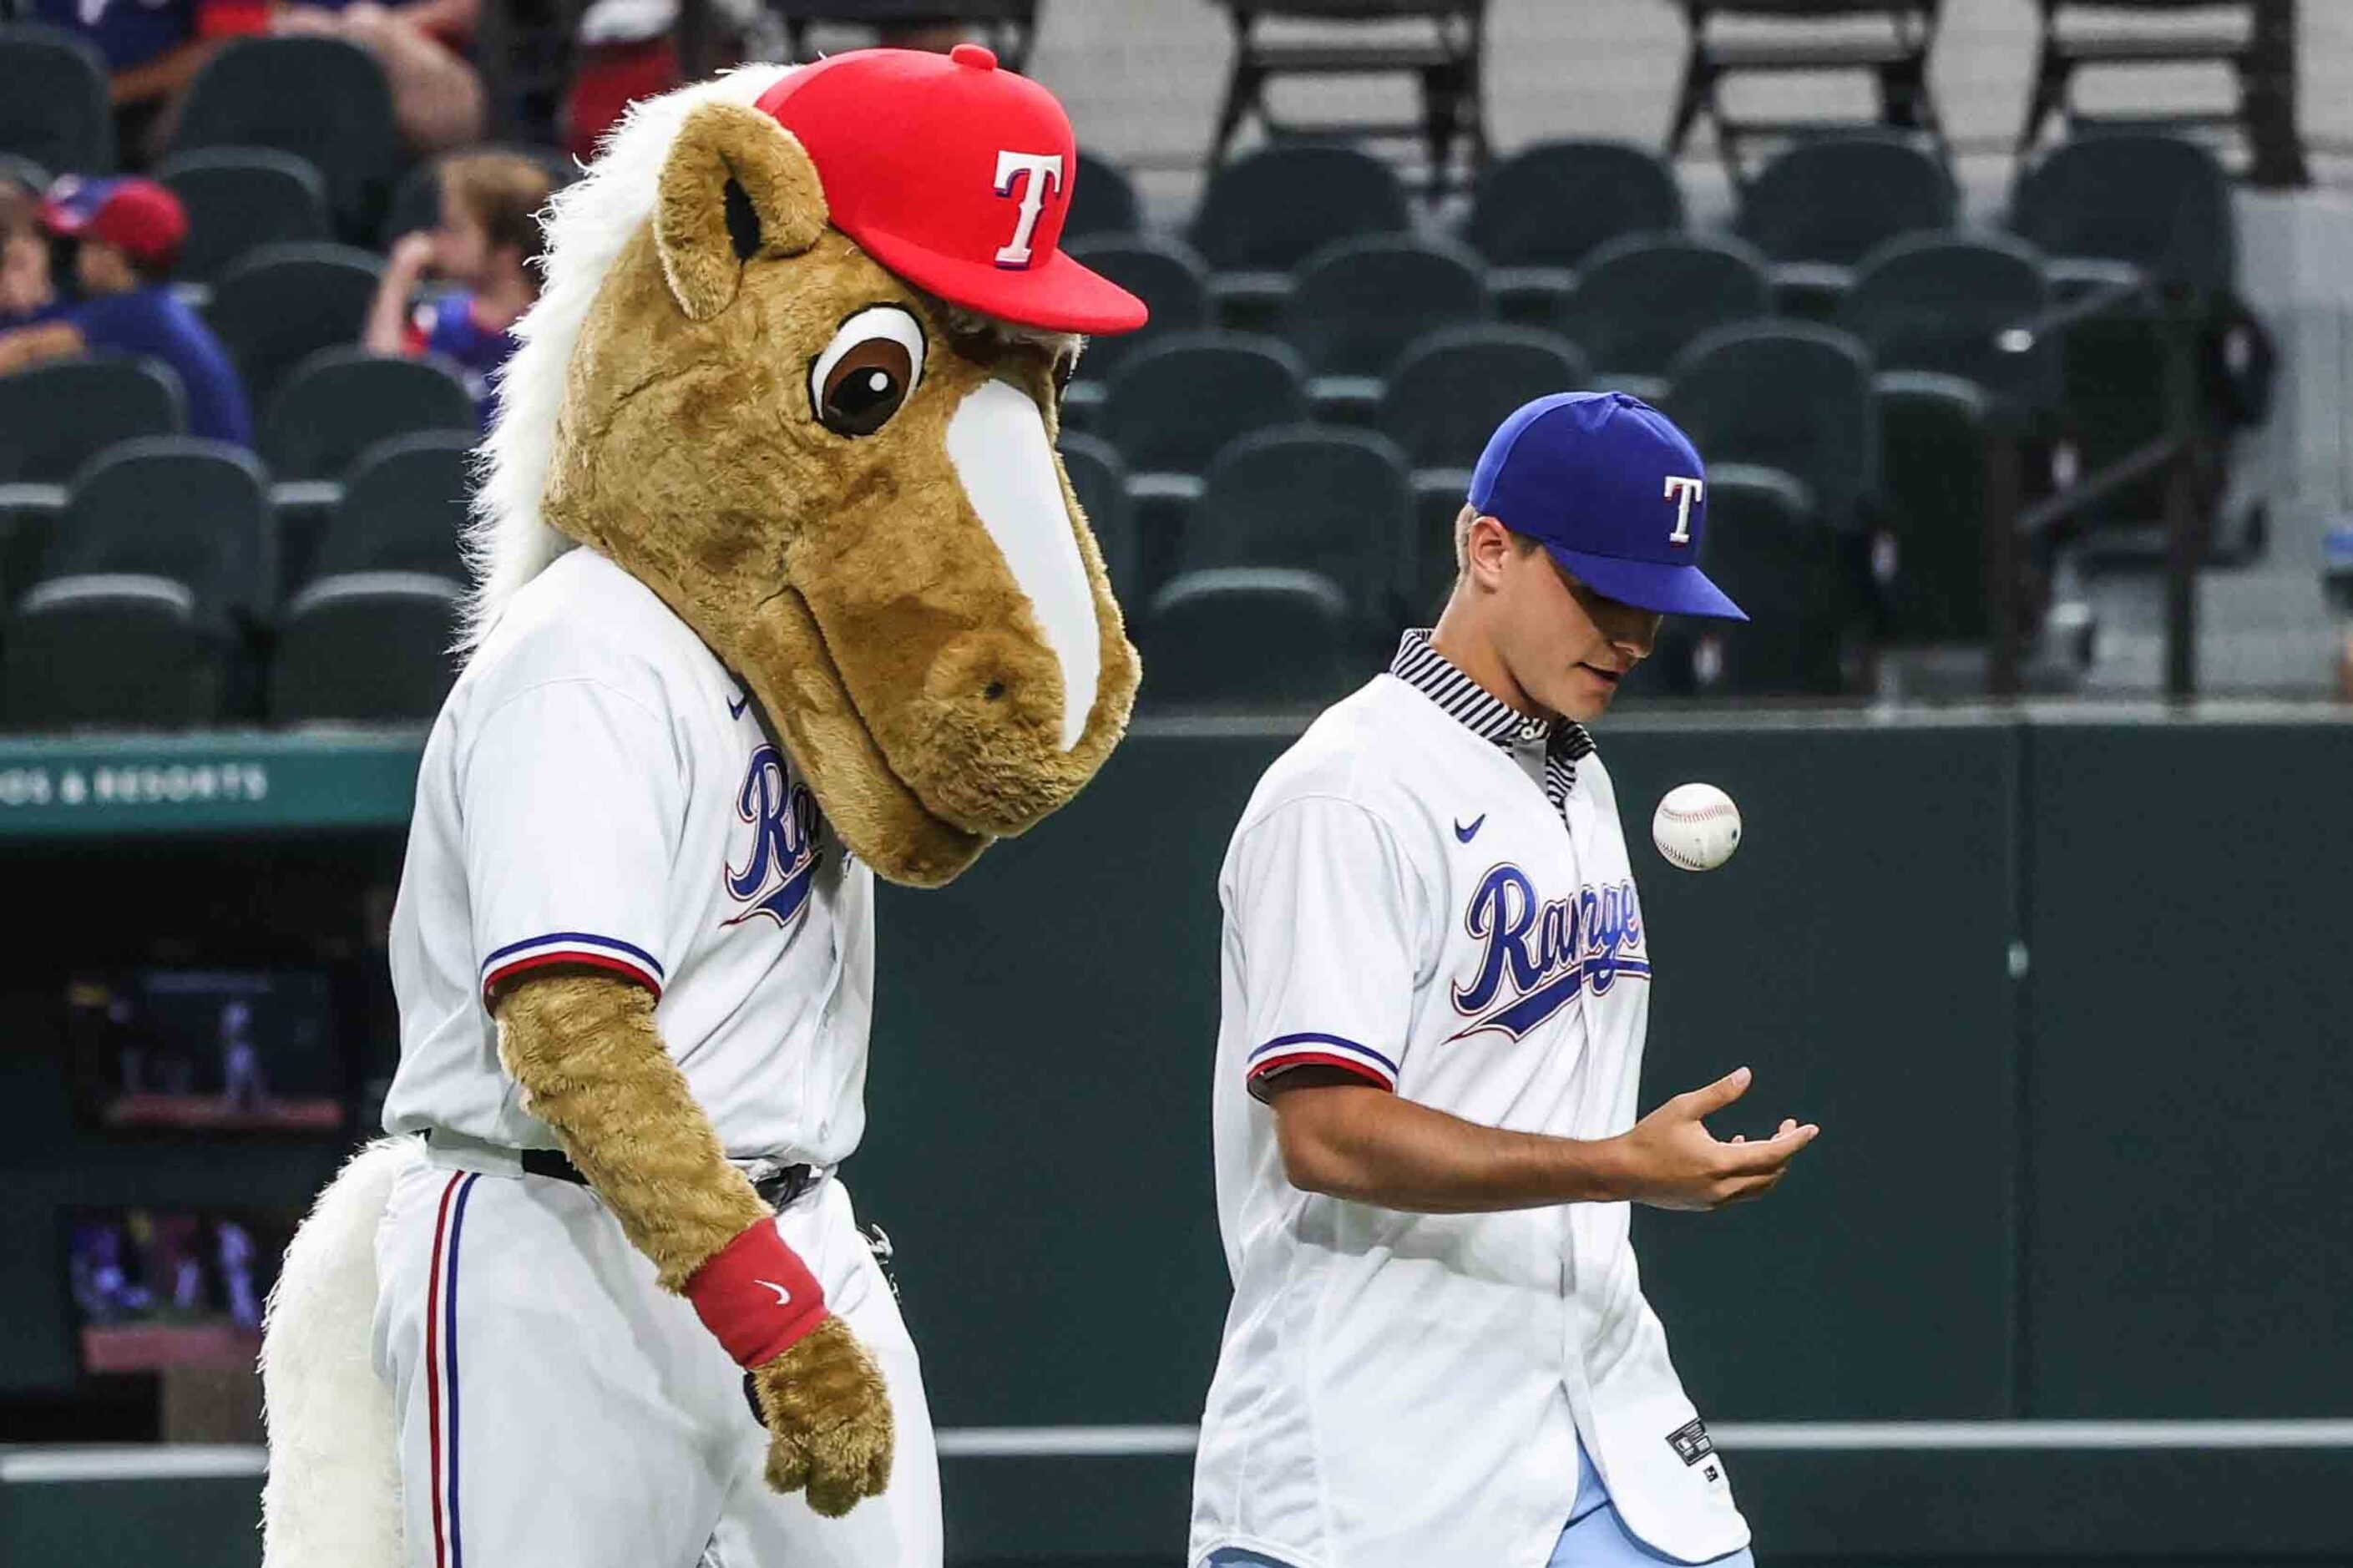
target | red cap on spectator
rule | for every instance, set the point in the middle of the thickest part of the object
(957, 176)
(140, 217)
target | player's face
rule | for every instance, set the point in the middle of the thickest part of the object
(1568, 646)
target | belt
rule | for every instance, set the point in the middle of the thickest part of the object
(778, 1186)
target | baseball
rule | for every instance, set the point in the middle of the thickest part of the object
(1696, 826)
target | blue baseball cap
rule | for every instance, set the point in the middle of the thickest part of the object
(1612, 490)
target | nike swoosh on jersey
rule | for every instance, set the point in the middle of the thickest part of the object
(783, 1296)
(737, 705)
(1467, 834)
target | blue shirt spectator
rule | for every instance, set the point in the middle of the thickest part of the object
(151, 320)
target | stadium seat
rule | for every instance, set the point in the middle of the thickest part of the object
(283, 303)
(1102, 201)
(1936, 434)
(1162, 273)
(24, 172)
(340, 402)
(417, 199)
(1335, 502)
(1960, 305)
(1820, 208)
(1100, 481)
(1271, 208)
(2158, 203)
(54, 112)
(1172, 407)
(1445, 398)
(193, 512)
(1537, 214)
(1638, 301)
(239, 199)
(55, 418)
(1454, 385)
(1247, 635)
(1788, 396)
(1767, 547)
(317, 97)
(1358, 303)
(369, 647)
(402, 509)
(117, 651)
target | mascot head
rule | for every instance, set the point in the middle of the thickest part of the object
(796, 367)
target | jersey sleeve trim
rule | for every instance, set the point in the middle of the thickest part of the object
(572, 947)
(1287, 1051)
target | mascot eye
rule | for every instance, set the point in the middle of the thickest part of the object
(868, 371)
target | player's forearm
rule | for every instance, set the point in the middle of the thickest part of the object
(1372, 1147)
(586, 1049)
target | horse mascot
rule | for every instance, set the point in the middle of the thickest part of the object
(780, 587)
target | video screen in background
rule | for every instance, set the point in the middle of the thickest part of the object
(155, 1288)
(204, 1049)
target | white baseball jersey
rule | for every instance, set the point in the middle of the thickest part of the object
(1433, 893)
(599, 790)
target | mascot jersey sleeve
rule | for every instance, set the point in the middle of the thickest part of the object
(600, 792)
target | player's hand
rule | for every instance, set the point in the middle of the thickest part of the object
(828, 1415)
(1673, 1162)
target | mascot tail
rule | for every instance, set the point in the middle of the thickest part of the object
(333, 1497)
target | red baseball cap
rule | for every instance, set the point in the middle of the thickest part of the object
(957, 176)
(140, 219)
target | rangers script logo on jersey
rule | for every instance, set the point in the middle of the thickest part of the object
(777, 871)
(1539, 955)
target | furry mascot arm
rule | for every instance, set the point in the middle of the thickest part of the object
(585, 1048)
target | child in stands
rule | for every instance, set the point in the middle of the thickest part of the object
(485, 250)
(126, 234)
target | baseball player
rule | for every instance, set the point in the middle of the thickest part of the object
(1435, 990)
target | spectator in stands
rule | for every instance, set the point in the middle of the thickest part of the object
(126, 234)
(27, 294)
(486, 247)
(152, 49)
(437, 94)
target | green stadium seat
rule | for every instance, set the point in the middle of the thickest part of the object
(403, 509)
(2161, 204)
(1538, 213)
(1838, 198)
(417, 199)
(1335, 502)
(1358, 303)
(53, 100)
(239, 199)
(282, 303)
(1936, 435)
(1102, 201)
(317, 97)
(1172, 281)
(1788, 396)
(194, 513)
(1100, 481)
(1442, 402)
(1170, 410)
(1640, 299)
(118, 651)
(1767, 547)
(55, 418)
(1273, 208)
(1248, 636)
(1958, 305)
(371, 647)
(341, 402)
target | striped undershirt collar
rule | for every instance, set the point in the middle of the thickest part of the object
(1420, 666)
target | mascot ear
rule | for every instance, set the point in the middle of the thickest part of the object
(736, 186)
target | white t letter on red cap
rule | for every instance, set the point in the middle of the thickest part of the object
(1045, 171)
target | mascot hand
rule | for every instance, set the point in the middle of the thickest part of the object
(828, 1415)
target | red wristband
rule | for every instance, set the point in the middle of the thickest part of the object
(756, 1296)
